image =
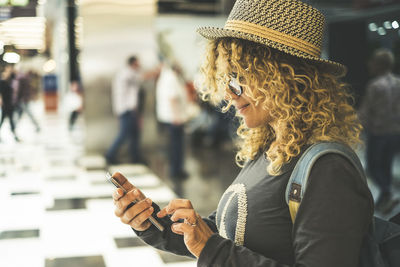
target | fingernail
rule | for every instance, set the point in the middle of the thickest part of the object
(117, 193)
(148, 200)
(135, 192)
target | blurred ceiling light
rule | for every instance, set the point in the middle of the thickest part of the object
(387, 25)
(49, 66)
(373, 27)
(117, 2)
(14, 29)
(11, 57)
(24, 32)
(19, 2)
(128, 7)
(24, 21)
(381, 31)
(14, 2)
(395, 24)
(41, 2)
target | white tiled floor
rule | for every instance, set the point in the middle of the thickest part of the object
(41, 171)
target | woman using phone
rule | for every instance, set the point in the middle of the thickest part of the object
(266, 63)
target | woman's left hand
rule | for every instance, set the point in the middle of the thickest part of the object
(194, 230)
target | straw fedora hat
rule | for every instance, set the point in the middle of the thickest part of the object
(290, 26)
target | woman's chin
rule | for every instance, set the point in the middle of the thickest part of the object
(254, 123)
(249, 123)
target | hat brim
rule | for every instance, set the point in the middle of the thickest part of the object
(213, 33)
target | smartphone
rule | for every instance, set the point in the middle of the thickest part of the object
(113, 181)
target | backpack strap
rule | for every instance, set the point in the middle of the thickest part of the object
(297, 183)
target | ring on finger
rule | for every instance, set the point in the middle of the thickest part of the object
(191, 224)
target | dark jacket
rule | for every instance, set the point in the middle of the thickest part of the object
(6, 92)
(253, 227)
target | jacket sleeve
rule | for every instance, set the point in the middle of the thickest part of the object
(168, 240)
(331, 222)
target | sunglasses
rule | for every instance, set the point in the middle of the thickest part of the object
(234, 85)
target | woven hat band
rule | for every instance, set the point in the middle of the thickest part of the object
(273, 35)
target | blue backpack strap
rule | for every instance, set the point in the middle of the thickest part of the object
(297, 184)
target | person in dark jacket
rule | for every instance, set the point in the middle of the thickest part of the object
(266, 63)
(7, 103)
(24, 97)
(380, 115)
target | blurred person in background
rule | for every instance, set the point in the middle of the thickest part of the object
(172, 112)
(125, 97)
(35, 84)
(8, 97)
(380, 114)
(266, 63)
(25, 94)
(212, 127)
(74, 102)
(220, 129)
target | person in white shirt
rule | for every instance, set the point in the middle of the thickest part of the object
(171, 107)
(125, 92)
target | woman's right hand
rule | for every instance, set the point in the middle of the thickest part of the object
(137, 215)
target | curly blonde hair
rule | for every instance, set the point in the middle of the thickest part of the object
(309, 104)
